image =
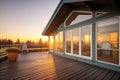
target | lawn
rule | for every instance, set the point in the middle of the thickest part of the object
(33, 49)
(2, 51)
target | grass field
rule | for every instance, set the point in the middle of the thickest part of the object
(2, 51)
(38, 49)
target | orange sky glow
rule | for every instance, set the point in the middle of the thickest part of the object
(25, 19)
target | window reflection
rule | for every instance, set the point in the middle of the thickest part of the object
(51, 42)
(76, 41)
(86, 41)
(61, 42)
(68, 41)
(108, 40)
(57, 43)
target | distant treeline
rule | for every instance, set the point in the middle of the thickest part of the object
(32, 44)
(8, 41)
(28, 42)
(5, 41)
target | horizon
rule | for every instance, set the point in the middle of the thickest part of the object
(43, 38)
(25, 19)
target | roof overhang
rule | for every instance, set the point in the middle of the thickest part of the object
(65, 7)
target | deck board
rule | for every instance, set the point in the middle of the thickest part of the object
(42, 66)
(89, 74)
(116, 76)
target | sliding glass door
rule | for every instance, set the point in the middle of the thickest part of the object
(51, 43)
(86, 41)
(108, 40)
(68, 41)
(75, 38)
(59, 42)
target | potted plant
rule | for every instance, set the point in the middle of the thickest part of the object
(12, 53)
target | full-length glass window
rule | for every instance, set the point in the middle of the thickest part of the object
(108, 40)
(61, 41)
(75, 41)
(57, 43)
(51, 43)
(68, 41)
(86, 40)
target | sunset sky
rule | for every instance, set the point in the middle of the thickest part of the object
(25, 19)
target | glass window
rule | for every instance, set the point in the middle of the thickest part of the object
(108, 40)
(68, 41)
(77, 16)
(51, 42)
(76, 41)
(61, 41)
(57, 43)
(86, 41)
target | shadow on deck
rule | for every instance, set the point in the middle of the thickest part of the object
(45, 66)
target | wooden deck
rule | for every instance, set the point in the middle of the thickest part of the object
(42, 66)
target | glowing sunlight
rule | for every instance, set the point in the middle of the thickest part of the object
(87, 39)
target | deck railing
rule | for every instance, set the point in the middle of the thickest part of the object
(32, 48)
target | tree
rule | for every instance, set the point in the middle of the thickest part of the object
(40, 41)
(18, 41)
(9, 41)
(0, 41)
(28, 42)
(5, 41)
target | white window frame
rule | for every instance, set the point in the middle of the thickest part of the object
(80, 53)
(119, 44)
(72, 44)
(82, 56)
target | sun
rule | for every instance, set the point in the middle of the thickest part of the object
(44, 38)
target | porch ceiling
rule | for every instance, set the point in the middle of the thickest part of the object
(65, 7)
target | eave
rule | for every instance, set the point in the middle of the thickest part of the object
(65, 7)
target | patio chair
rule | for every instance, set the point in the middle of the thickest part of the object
(106, 48)
(24, 48)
